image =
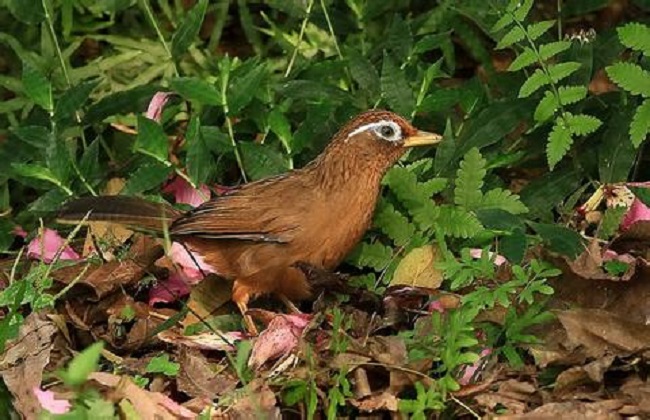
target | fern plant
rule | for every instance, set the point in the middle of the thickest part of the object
(552, 107)
(633, 78)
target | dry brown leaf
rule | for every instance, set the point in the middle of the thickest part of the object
(199, 378)
(574, 410)
(417, 269)
(24, 361)
(380, 401)
(206, 298)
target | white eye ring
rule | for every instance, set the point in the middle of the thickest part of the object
(385, 129)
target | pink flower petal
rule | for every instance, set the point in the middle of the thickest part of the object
(184, 193)
(48, 401)
(478, 253)
(436, 306)
(470, 371)
(45, 247)
(169, 290)
(155, 109)
(19, 231)
(636, 213)
(191, 263)
(278, 339)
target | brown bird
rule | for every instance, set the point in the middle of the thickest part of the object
(258, 232)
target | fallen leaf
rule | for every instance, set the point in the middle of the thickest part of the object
(49, 402)
(169, 290)
(381, 401)
(418, 269)
(48, 245)
(184, 193)
(278, 339)
(203, 341)
(199, 378)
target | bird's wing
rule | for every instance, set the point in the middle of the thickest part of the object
(250, 213)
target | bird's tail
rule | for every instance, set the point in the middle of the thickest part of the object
(132, 212)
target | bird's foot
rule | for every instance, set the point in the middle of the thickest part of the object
(291, 307)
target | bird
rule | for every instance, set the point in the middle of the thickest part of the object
(259, 232)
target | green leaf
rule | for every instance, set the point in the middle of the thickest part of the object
(37, 87)
(457, 222)
(243, 87)
(630, 77)
(200, 160)
(522, 10)
(513, 36)
(393, 223)
(395, 88)
(642, 194)
(502, 23)
(27, 11)
(372, 255)
(560, 239)
(151, 140)
(73, 99)
(538, 79)
(582, 124)
(123, 103)
(611, 221)
(538, 29)
(551, 49)
(262, 160)
(83, 365)
(195, 89)
(514, 246)
(640, 125)
(39, 172)
(502, 199)
(524, 59)
(162, 364)
(616, 154)
(149, 175)
(280, 125)
(549, 104)
(559, 142)
(364, 73)
(188, 29)
(636, 36)
(469, 180)
(89, 162)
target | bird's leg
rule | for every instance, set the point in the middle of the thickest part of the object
(289, 304)
(241, 295)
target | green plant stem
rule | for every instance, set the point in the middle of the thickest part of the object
(55, 41)
(303, 26)
(559, 20)
(161, 38)
(231, 133)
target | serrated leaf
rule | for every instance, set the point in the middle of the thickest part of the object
(372, 255)
(630, 77)
(640, 125)
(522, 10)
(243, 87)
(503, 21)
(503, 199)
(457, 222)
(37, 87)
(395, 88)
(469, 180)
(393, 223)
(262, 160)
(582, 124)
(195, 89)
(559, 142)
(73, 99)
(551, 49)
(636, 36)
(280, 125)
(513, 36)
(535, 30)
(38, 172)
(188, 29)
(525, 59)
(151, 140)
(560, 239)
(572, 94)
(538, 79)
(199, 160)
(549, 104)
(147, 176)
(364, 73)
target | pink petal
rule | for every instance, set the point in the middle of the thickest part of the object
(45, 247)
(19, 231)
(169, 290)
(436, 305)
(610, 255)
(191, 263)
(478, 253)
(155, 109)
(48, 401)
(278, 339)
(184, 193)
(176, 408)
(470, 371)
(636, 213)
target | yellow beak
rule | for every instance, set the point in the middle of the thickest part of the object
(422, 138)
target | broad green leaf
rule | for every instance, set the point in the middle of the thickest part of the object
(559, 239)
(559, 142)
(262, 160)
(616, 153)
(147, 176)
(513, 36)
(200, 160)
(34, 135)
(640, 125)
(195, 89)
(642, 193)
(395, 88)
(582, 124)
(243, 87)
(37, 87)
(393, 223)
(27, 11)
(188, 29)
(280, 125)
(73, 99)
(636, 36)
(499, 219)
(82, 365)
(152, 140)
(89, 162)
(630, 77)
(538, 29)
(469, 180)
(524, 59)
(38, 172)
(125, 102)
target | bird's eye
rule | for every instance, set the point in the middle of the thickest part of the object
(387, 131)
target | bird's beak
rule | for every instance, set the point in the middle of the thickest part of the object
(422, 138)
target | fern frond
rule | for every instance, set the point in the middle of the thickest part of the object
(559, 142)
(582, 124)
(538, 29)
(525, 59)
(502, 23)
(393, 223)
(503, 199)
(513, 36)
(636, 36)
(630, 77)
(458, 222)
(469, 180)
(372, 255)
(521, 9)
(552, 49)
(640, 125)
